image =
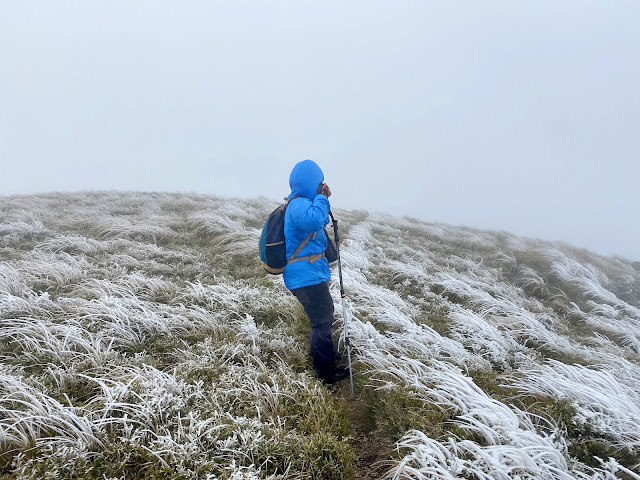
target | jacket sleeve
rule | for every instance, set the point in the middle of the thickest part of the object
(310, 216)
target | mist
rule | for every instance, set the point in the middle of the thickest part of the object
(499, 115)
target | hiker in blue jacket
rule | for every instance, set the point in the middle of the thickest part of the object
(308, 274)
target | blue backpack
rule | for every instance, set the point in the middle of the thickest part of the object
(273, 249)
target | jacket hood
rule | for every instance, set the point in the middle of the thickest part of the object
(305, 178)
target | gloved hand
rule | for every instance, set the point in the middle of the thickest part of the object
(324, 190)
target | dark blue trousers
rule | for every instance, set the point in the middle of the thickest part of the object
(318, 305)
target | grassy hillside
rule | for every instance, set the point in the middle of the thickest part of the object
(140, 339)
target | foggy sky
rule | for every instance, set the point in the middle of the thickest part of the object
(508, 115)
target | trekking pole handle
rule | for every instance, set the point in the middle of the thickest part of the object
(337, 239)
(335, 228)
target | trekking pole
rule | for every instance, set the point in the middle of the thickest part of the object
(342, 296)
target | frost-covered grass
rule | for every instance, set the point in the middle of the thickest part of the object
(139, 338)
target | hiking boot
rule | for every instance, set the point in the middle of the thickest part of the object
(340, 374)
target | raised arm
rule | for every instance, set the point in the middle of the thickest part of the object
(310, 216)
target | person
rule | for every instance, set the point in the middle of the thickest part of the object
(307, 275)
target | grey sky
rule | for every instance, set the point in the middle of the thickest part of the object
(514, 115)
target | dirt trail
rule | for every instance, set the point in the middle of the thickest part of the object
(373, 449)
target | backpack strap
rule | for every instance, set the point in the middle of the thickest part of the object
(311, 258)
(300, 247)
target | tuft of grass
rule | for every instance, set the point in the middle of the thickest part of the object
(584, 443)
(398, 410)
(322, 457)
(437, 318)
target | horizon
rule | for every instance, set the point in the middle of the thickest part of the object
(551, 242)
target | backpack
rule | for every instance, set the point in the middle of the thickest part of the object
(273, 249)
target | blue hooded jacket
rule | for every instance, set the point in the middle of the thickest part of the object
(307, 214)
